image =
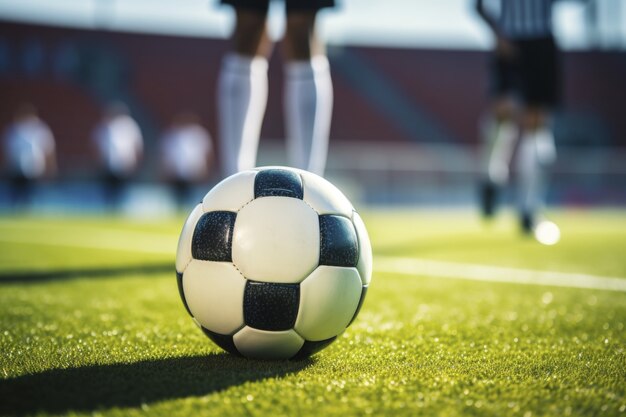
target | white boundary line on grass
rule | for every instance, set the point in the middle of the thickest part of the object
(164, 244)
(474, 272)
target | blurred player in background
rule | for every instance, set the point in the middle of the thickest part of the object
(525, 69)
(243, 87)
(186, 154)
(29, 149)
(119, 145)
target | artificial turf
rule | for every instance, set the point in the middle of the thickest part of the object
(91, 324)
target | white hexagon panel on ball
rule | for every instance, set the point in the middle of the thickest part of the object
(329, 299)
(262, 344)
(214, 293)
(276, 239)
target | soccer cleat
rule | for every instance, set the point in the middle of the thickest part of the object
(527, 223)
(488, 196)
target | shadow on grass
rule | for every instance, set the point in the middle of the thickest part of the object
(92, 388)
(10, 277)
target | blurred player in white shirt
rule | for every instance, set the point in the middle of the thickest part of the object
(186, 152)
(30, 153)
(119, 144)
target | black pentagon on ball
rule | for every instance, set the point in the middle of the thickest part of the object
(271, 306)
(213, 235)
(338, 241)
(181, 291)
(309, 348)
(358, 307)
(222, 340)
(276, 182)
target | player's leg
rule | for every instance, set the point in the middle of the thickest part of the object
(537, 150)
(181, 190)
(308, 88)
(20, 191)
(114, 186)
(242, 88)
(499, 133)
(536, 153)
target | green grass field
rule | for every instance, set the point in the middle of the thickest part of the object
(91, 324)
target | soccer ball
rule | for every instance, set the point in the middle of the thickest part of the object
(274, 263)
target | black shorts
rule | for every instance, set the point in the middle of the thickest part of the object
(534, 74)
(290, 5)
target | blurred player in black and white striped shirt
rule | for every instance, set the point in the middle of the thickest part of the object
(525, 70)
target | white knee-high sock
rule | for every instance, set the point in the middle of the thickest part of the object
(242, 98)
(536, 153)
(499, 139)
(308, 111)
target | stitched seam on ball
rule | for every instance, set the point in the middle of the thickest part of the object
(358, 242)
(245, 204)
(238, 270)
(231, 241)
(187, 264)
(237, 330)
(296, 332)
(306, 202)
(312, 208)
(231, 244)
